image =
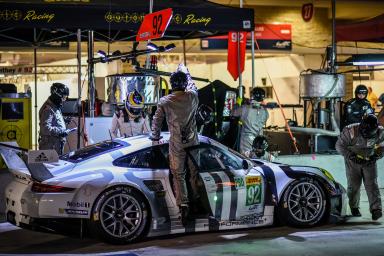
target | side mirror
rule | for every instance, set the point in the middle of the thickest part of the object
(245, 164)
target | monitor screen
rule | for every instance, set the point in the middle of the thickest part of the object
(12, 110)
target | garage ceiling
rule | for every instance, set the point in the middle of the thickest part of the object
(346, 11)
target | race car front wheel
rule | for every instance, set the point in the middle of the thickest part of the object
(304, 204)
(120, 215)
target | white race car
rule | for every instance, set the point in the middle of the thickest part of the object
(123, 190)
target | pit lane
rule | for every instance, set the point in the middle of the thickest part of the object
(357, 236)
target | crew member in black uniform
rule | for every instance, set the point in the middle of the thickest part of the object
(357, 107)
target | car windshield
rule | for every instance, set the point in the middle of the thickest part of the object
(91, 151)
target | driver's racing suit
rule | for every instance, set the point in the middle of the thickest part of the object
(52, 127)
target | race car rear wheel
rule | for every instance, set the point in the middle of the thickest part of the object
(120, 215)
(304, 204)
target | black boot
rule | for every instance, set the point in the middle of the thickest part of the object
(184, 210)
(355, 212)
(376, 214)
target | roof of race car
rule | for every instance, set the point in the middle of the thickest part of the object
(119, 146)
(142, 141)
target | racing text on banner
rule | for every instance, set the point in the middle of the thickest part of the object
(233, 53)
(154, 25)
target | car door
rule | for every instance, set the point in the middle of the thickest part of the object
(233, 192)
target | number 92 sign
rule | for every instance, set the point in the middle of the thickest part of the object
(154, 25)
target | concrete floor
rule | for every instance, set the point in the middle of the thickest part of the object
(358, 236)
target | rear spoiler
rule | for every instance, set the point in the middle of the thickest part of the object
(17, 159)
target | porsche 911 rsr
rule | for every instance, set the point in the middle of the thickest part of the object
(124, 190)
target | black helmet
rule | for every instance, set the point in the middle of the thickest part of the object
(258, 94)
(60, 90)
(204, 115)
(361, 89)
(259, 145)
(368, 126)
(179, 81)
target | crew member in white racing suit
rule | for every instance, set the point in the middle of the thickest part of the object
(53, 131)
(179, 108)
(259, 149)
(130, 121)
(362, 145)
(253, 118)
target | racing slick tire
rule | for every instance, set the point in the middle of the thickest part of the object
(304, 204)
(120, 215)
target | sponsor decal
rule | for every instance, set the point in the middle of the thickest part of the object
(78, 204)
(96, 216)
(160, 194)
(239, 182)
(177, 19)
(246, 24)
(32, 16)
(253, 185)
(245, 220)
(144, 35)
(124, 17)
(283, 44)
(21, 177)
(41, 158)
(192, 19)
(207, 178)
(76, 212)
(10, 15)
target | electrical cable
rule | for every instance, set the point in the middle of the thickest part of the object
(278, 102)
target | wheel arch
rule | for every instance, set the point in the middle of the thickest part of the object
(307, 176)
(114, 186)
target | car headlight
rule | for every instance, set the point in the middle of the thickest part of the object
(327, 174)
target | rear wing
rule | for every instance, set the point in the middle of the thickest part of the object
(29, 163)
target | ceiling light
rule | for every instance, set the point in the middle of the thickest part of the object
(102, 55)
(170, 47)
(152, 46)
(363, 60)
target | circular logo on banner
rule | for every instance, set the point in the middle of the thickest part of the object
(307, 12)
(177, 18)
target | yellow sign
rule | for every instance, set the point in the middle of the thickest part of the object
(252, 180)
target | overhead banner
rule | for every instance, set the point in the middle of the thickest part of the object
(154, 25)
(268, 37)
(233, 53)
(122, 15)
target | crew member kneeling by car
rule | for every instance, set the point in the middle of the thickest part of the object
(362, 145)
(179, 108)
(259, 149)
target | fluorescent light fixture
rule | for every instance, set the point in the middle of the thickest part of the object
(368, 63)
(370, 59)
(152, 46)
(170, 47)
(101, 54)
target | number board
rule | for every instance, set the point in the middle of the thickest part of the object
(154, 25)
(253, 185)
